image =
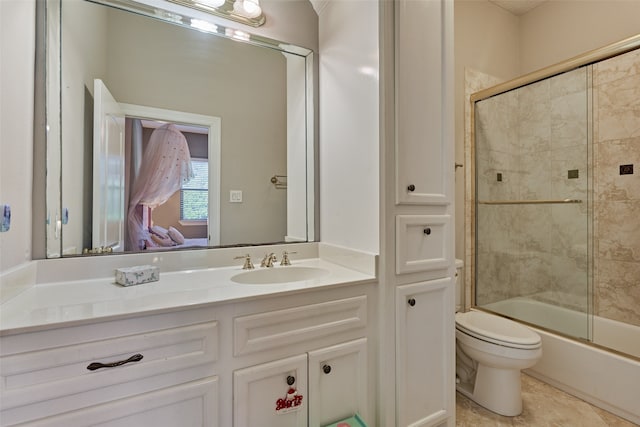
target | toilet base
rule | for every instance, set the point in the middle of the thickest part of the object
(498, 390)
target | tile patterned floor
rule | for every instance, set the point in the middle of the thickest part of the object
(544, 406)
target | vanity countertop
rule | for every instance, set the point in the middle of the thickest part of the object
(67, 303)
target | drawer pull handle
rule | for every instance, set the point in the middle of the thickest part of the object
(427, 231)
(97, 365)
(411, 301)
(326, 369)
(411, 188)
(291, 379)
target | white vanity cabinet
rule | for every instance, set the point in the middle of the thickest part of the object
(312, 389)
(210, 365)
(153, 370)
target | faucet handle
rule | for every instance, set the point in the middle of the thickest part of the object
(285, 258)
(248, 265)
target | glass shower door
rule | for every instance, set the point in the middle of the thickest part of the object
(533, 215)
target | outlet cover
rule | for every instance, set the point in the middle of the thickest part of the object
(235, 196)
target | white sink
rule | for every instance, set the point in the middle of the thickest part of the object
(273, 275)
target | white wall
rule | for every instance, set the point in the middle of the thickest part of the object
(17, 47)
(560, 29)
(349, 142)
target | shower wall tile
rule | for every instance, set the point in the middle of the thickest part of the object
(534, 118)
(533, 228)
(498, 273)
(612, 154)
(569, 226)
(536, 180)
(619, 231)
(617, 197)
(496, 229)
(619, 109)
(569, 120)
(489, 164)
(534, 272)
(562, 161)
(618, 291)
(568, 83)
(495, 125)
(618, 67)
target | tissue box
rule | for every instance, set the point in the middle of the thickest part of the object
(354, 421)
(137, 275)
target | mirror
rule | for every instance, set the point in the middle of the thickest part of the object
(240, 105)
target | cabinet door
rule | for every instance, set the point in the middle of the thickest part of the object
(425, 354)
(424, 97)
(261, 394)
(338, 383)
(193, 404)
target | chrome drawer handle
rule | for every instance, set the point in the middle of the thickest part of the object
(97, 365)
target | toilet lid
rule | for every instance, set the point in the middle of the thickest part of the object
(496, 329)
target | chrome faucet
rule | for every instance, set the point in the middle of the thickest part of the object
(248, 265)
(268, 260)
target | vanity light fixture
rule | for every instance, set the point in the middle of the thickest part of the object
(247, 12)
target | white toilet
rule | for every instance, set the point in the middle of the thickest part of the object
(490, 352)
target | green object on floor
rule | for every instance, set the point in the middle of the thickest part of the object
(354, 421)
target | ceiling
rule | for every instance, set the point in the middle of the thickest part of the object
(517, 7)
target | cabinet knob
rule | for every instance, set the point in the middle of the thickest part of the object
(326, 369)
(427, 231)
(411, 301)
(411, 187)
(291, 379)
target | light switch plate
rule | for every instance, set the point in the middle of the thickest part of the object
(235, 196)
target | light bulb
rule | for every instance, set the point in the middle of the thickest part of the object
(247, 8)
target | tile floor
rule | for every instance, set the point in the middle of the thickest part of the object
(544, 406)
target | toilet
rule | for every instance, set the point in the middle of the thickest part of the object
(490, 353)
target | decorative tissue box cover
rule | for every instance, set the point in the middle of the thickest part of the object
(354, 421)
(137, 275)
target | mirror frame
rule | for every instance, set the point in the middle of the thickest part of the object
(49, 17)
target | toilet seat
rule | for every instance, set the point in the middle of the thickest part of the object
(497, 330)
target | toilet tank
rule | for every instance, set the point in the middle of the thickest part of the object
(459, 285)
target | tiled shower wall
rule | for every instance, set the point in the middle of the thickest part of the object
(617, 201)
(529, 144)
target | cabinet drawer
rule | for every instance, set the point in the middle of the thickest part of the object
(185, 405)
(47, 373)
(263, 331)
(422, 243)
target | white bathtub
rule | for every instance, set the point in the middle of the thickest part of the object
(600, 377)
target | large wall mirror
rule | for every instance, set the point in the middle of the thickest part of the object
(168, 131)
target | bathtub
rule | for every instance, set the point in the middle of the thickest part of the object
(603, 378)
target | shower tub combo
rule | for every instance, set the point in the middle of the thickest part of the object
(546, 153)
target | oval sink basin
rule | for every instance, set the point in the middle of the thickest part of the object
(274, 275)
